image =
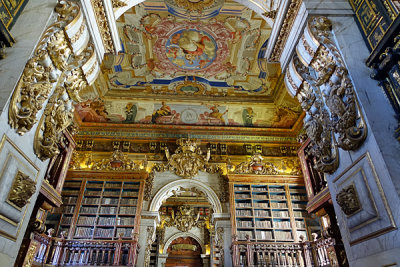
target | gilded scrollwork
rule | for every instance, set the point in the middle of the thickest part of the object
(118, 3)
(57, 116)
(337, 88)
(348, 200)
(256, 166)
(117, 162)
(184, 219)
(21, 190)
(333, 117)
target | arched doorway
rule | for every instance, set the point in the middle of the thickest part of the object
(184, 252)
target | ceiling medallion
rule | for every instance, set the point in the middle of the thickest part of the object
(191, 49)
(188, 159)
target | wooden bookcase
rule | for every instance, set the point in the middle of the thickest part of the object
(99, 208)
(268, 212)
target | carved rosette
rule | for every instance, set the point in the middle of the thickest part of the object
(319, 79)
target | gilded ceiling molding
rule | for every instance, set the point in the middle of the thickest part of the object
(102, 22)
(118, 3)
(286, 27)
(318, 77)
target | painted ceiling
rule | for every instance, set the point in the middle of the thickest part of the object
(197, 63)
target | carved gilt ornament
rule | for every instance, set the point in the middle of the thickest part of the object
(256, 166)
(184, 219)
(318, 77)
(188, 159)
(21, 190)
(348, 200)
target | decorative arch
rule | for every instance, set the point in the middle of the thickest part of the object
(166, 191)
(183, 234)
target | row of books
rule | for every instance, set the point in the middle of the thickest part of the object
(87, 220)
(241, 196)
(69, 200)
(67, 209)
(259, 189)
(279, 205)
(106, 221)
(264, 235)
(298, 190)
(262, 213)
(72, 184)
(280, 214)
(130, 193)
(127, 232)
(260, 204)
(257, 196)
(300, 224)
(282, 224)
(281, 235)
(70, 192)
(84, 232)
(104, 232)
(276, 189)
(92, 192)
(302, 214)
(66, 220)
(263, 224)
(243, 213)
(243, 205)
(112, 185)
(242, 235)
(90, 200)
(111, 192)
(88, 210)
(298, 206)
(242, 188)
(94, 184)
(273, 196)
(108, 210)
(127, 210)
(128, 201)
(244, 224)
(109, 201)
(125, 221)
(298, 197)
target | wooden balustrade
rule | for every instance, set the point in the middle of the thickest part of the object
(61, 252)
(304, 254)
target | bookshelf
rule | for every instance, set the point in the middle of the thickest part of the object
(99, 208)
(268, 212)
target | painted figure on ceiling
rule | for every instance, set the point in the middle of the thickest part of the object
(130, 111)
(248, 115)
(164, 110)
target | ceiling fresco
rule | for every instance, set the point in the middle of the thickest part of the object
(194, 63)
(160, 49)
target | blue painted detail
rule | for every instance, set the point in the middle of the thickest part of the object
(117, 68)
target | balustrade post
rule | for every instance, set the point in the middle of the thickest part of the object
(307, 260)
(249, 252)
(118, 250)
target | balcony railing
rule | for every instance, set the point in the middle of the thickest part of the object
(62, 252)
(319, 253)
